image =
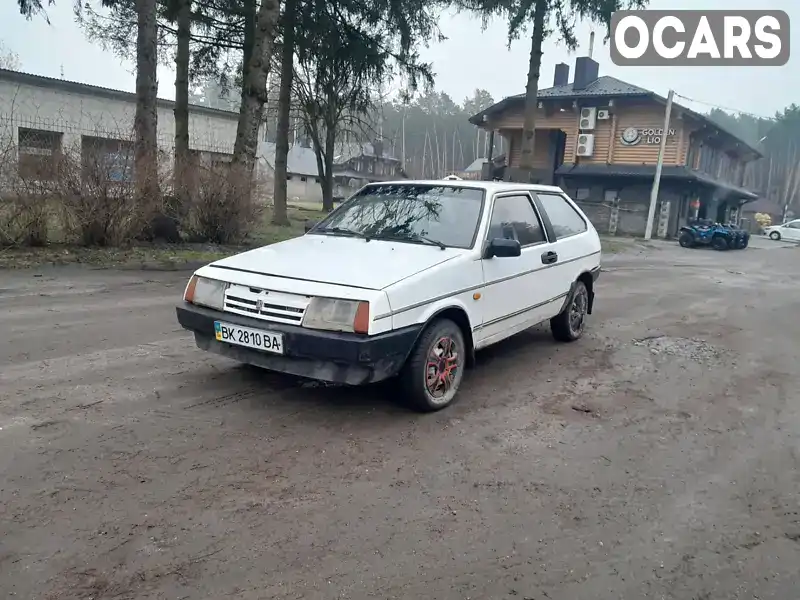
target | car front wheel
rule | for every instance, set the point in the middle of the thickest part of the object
(568, 325)
(433, 373)
(775, 235)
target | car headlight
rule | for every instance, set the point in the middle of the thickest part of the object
(206, 292)
(337, 315)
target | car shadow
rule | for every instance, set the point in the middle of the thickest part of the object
(255, 389)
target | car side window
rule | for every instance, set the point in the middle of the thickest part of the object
(513, 218)
(563, 217)
(794, 225)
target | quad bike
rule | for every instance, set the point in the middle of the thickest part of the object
(705, 232)
(741, 237)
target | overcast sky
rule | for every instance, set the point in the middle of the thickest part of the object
(469, 58)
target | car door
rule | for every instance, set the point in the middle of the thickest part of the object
(515, 294)
(572, 238)
(791, 231)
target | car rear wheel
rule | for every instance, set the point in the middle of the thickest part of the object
(433, 373)
(568, 325)
(719, 243)
(775, 235)
(686, 240)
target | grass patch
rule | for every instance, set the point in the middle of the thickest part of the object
(155, 256)
(612, 246)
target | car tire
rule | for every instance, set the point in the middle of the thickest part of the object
(569, 324)
(775, 235)
(434, 370)
(719, 243)
(686, 240)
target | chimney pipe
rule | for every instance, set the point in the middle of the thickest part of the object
(561, 76)
(586, 72)
(591, 44)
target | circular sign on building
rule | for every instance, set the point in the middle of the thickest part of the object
(631, 136)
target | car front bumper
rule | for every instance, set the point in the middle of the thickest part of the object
(330, 356)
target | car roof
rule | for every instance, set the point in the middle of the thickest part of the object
(489, 186)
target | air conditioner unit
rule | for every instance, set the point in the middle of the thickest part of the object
(588, 118)
(585, 144)
(603, 114)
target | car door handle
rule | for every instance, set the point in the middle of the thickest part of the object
(548, 258)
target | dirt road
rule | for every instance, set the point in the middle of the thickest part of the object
(659, 457)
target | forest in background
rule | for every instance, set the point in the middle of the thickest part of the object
(776, 177)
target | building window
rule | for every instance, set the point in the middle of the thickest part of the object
(610, 196)
(288, 178)
(316, 179)
(303, 179)
(38, 154)
(565, 219)
(105, 159)
(583, 194)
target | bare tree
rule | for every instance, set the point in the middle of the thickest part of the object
(279, 197)
(8, 59)
(334, 96)
(145, 122)
(254, 95)
(183, 18)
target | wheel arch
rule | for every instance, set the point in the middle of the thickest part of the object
(588, 279)
(459, 316)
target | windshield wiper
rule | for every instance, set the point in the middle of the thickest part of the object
(344, 231)
(415, 237)
(427, 240)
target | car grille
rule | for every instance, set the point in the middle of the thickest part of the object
(268, 305)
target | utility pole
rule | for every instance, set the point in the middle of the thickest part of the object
(648, 232)
(403, 158)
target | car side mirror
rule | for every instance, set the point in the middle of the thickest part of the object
(503, 248)
(310, 225)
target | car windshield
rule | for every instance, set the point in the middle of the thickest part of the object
(421, 214)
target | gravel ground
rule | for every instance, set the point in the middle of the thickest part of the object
(656, 458)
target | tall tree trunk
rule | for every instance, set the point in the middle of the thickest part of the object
(254, 96)
(145, 122)
(182, 175)
(532, 89)
(279, 214)
(330, 143)
(249, 9)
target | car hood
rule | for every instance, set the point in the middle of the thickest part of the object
(340, 260)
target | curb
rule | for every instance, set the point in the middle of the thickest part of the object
(191, 265)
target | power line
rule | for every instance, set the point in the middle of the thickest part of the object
(726, 108)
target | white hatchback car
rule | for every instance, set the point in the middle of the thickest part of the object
(788, 231)
(403, 279)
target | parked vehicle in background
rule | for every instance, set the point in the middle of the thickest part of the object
(403, 279)
(789, 231)
(704, 232)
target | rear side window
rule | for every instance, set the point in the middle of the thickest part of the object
(565, 219)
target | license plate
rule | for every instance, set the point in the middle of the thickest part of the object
(250, 338)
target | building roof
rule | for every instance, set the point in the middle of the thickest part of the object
(648, 171)
(348, 151)
(762, 205)
(73, 87)
(300, 161)
(602, 87)
(475, 165)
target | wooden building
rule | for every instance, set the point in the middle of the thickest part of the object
(598, 138)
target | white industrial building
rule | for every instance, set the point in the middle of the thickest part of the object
(42, 117)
